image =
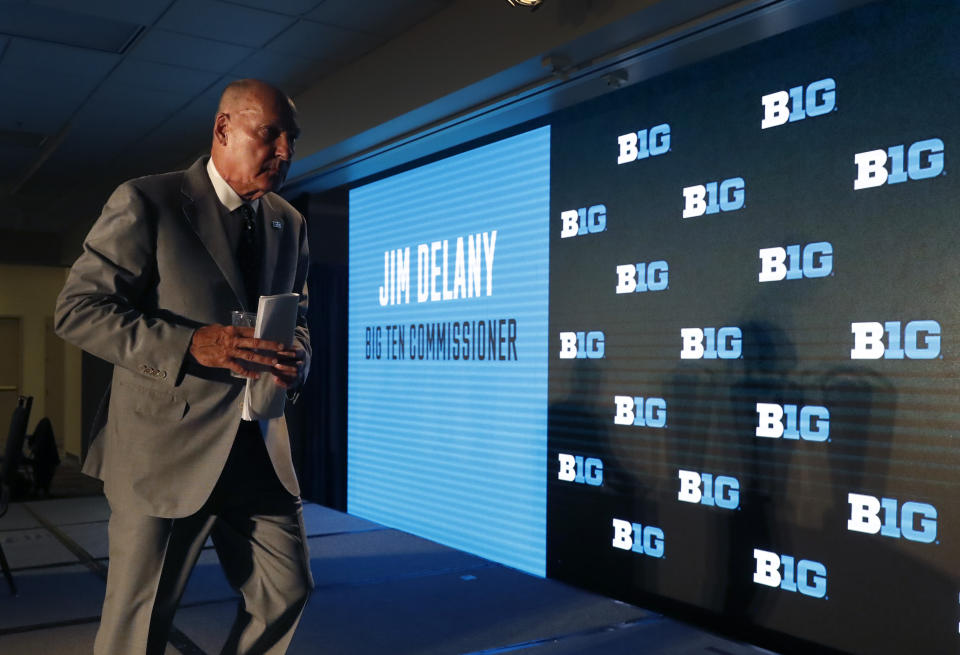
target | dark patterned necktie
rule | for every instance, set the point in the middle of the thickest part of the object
(248, 255)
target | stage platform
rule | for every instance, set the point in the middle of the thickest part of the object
(379, 591)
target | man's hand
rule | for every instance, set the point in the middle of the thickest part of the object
(226, 346)
(288, 372)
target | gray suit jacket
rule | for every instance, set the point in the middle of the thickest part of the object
(155, 266)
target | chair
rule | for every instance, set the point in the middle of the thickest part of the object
(11, 464)
(45, 458)
(4, 505)
(17, 478)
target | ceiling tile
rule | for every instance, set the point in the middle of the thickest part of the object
(311, 40)
(111, 123)
(220, 21)
(180, 137)
(189, 51)
(112, 120)
(43, 84)
(139, 74)
(288, 7)
(28, 62)
(290, 73)
(176, 141)
(33, 110)
(196, 117)
(383, 17)
(56, 25)
(202, 109)
(21, 139)
(141, 12)
(14, 160)
(114, 110)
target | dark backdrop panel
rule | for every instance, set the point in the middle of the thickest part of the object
(892, 420)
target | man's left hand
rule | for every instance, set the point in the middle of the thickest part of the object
(288, 371)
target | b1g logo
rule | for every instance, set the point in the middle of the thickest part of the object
(586, 220)
(641, 277)
(714, 197)
(711, 343)
(581, 345)
(790, 263)
(919, 339)
(641, 539)
(702, 488)
(918, 521)
(806, 576)
(924, 160)
(776, 421)
(645, 143)
(574, 468)
(640, 412)
(817, 99)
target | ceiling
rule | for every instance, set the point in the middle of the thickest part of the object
(97, 91)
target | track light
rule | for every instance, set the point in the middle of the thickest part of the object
(533, 5)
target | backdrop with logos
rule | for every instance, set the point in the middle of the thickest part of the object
(691, 343)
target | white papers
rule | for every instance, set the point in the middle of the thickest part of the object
(276, 321)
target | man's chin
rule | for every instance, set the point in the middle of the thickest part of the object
(274, 180)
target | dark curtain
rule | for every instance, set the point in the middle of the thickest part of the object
(318, 421)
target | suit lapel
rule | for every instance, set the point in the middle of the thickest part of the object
(273, 227)
(202, 210)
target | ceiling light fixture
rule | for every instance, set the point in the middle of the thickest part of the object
(533, 5)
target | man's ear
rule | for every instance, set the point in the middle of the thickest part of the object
(221, 126)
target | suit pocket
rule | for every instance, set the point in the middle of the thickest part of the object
(155, 403)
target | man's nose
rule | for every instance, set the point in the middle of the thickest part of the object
(284, 146)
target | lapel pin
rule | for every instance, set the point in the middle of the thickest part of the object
(277, 225)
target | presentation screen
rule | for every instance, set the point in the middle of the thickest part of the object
(447, 368)
(691, 344)
(754, 398)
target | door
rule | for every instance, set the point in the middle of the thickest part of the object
(10, 369)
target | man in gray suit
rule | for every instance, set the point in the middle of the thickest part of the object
(168, 259)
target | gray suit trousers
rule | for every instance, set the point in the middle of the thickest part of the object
(258, 532)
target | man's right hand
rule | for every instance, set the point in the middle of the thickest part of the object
(226, 346)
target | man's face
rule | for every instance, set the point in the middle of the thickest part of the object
(260, 144)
